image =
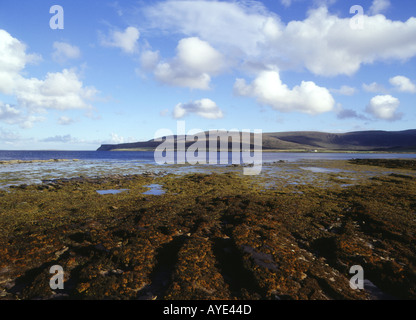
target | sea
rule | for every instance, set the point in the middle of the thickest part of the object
(99, 163)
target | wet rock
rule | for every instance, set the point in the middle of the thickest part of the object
(261, 259)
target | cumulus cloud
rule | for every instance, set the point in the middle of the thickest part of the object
(403, 84)
(64, 51)
(323, 43)
(379, 6)
(8, 113)
(125, 40)
(58, 90)
(11, 115)
(268, 89)
(326, 45)
(238, 26)
(13, 59)
(384, 107)
(192, 67)
(117, 139)
(205, 108)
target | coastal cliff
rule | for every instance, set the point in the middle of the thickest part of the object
(387, 141)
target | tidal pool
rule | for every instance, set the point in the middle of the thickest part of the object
(111, 191)
(321, 170)
(155, 190)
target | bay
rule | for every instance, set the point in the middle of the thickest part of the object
(99, 163)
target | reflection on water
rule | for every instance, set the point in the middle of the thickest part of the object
(155, 190)
(111, 191)
(93, 163)
(32, 173)
(321, 170)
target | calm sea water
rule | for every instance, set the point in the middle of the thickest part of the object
(96, 163)
(81, 155)
(146, 156)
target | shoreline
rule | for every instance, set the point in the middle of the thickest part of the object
(68, 169)
(279, 151)
(16, 161)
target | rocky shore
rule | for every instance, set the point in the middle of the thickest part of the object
(210, 236)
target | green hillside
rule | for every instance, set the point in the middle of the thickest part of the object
(388, 141)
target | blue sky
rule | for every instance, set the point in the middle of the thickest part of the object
(119, 71)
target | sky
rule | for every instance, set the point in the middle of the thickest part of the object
(96, 72)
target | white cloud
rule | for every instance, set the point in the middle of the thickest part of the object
(59, 138)
(182, 78)
(288, 3)
(64, 51)
(241, 27)
(326, 45)
(59, 90)
(8, 136)
(379, 6)
(345, 90)
(64, 120)
(117, 139)
(349, 114)
(149, 59)
(199, 56)
(8, 113)
(13, 59)
(374, 87)
(193, 65)
(11, 115)
(384, 107)
(126, 40)
(403, 84)
(323, 43)
(205, 108)
(268, 89)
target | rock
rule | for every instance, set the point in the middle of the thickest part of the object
(117, 271)
(61, 252)
(104, 272)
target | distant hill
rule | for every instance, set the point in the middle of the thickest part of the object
(388, 141)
